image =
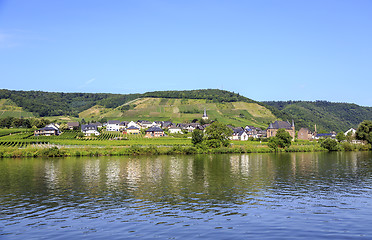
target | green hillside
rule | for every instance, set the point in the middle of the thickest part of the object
(327, 116)
(9, 109)
(185, 110)
(180, 106)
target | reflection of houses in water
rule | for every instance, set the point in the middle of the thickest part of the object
(245, 164)
(175, 169)
(235, 164)
(51, 174)
(113, 173)
(154, 170)
(133, 173)
(91, 172)
(304, 163)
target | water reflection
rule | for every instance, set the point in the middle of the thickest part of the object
(219, 176)
(179, 189)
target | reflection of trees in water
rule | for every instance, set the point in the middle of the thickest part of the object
(190, 179)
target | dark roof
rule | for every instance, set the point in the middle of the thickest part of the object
(73, 124)
(47, 129)
(88, 127)
(280, 124)
(133, 127)
(154, 129)
(324, 135)
(144, 122)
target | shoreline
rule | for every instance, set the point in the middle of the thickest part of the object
(94, 151)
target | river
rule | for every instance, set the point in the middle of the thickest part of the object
(255, 196)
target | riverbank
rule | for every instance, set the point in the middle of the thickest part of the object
(17, 147)
(13, 152)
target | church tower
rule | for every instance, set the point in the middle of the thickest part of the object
(205, 116)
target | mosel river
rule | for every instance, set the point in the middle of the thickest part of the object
(249, 196)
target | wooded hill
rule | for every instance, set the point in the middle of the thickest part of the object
(228, 107)
(327, 116)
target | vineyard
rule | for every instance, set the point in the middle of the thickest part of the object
(19, 138)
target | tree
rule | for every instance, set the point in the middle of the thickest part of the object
(197, 137)
(284, 138)
(340, 137)
(329, 144)
(364, 131)
(217, 135)
(350, 137)
(63, 126)
(273, 143)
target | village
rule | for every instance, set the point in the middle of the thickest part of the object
(157, 129)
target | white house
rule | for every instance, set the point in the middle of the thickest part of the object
(113, 125)
(133, 124)
(48, 130)
(239, 134)
(352, 130)
(89, 129)
(175, 130)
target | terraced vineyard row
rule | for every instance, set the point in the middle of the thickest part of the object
(20, 144)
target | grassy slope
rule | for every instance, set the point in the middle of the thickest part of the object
(183, 110)
(9, 109)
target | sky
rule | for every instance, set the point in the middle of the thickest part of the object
(264, 50)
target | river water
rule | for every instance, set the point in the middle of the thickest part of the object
(255, 196)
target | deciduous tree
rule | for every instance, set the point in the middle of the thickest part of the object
(217, 135)
(364, 131)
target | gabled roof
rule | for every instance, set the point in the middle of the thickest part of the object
(144, 122)
(154, 129)
(174, 127)
(88, 127)
(280, 124)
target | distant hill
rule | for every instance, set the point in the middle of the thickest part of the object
(45, 104)
(227, 107)
(327, 116)
(183, 110)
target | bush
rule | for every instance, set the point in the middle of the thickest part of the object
(329, 144)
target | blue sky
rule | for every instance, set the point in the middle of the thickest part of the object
(265, 50)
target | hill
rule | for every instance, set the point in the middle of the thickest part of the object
(327, 116)
(9, 109)
(45, 104)
(227, 107)
(183, 110)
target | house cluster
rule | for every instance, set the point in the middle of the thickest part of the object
(156, 129)
(243, 134)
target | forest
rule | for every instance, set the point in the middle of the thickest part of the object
(326, 115)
